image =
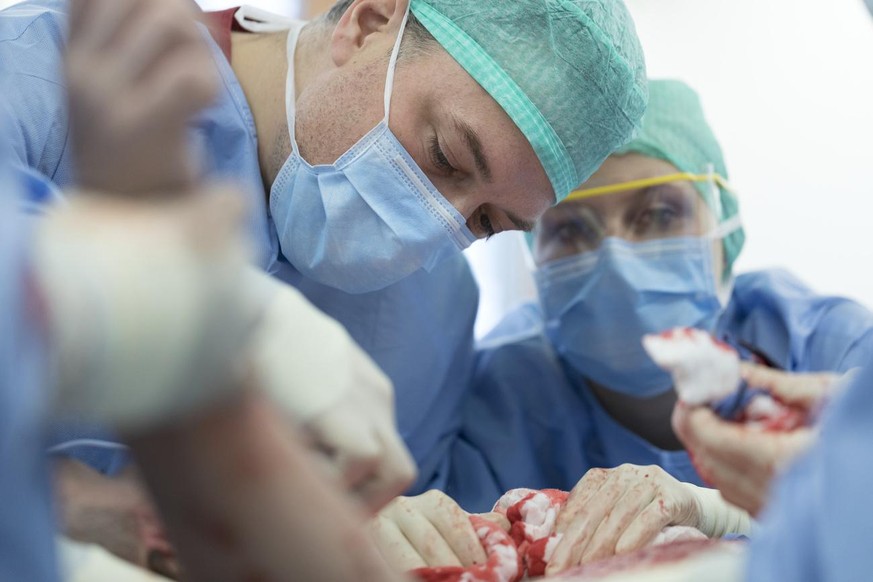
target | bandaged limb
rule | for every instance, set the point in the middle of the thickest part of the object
(142, 302)
(310, 366)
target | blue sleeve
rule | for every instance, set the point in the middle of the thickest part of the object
(818, 525)
(32, 38)
(796, 328)
(843, 338)
(26, 514)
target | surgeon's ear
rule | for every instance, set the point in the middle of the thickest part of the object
(366, 25)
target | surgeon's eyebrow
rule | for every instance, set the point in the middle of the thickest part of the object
(519, 223)
(475, 146)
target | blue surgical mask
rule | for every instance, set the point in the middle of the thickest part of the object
(598, 305)
(369, 219)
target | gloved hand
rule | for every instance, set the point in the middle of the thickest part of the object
(742, 462)
(614, 511)
(136, 71)
(427, 530)
(143, 304)
(312, 368)
(805, 390)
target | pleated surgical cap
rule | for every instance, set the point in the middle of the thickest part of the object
(569, 73)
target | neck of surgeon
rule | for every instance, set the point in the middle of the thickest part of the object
(260, 63)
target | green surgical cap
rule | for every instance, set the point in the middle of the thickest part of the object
(675, 130)
(569, 73)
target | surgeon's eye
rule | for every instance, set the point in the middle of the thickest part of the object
(659, 219)
(486, 226)
(438, 157)
(574, 232)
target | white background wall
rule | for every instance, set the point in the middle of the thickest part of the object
(788, 88)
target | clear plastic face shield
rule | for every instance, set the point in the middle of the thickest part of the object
(619, 261)
(638, 211)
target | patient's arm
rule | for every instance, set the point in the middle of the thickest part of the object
(242, 501)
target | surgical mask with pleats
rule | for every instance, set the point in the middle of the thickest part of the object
(369, 219)
(598, 305)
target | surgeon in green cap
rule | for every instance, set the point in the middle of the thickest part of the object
(372, 144)
(565, 397)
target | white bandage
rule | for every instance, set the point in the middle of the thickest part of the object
(144, 311)
(304, 360)
(703, 369)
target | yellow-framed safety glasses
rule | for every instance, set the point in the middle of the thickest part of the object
(645, 183)
(679, 204)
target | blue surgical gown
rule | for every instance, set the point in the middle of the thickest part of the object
(818, 526)
(419, 331)
(531, 421)
(27, 528)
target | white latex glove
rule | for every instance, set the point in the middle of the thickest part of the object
(426, 530)
(143, 304)
(312, 368)
(615, 511)
(743, 460)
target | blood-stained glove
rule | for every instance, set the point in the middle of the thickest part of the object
(615, 511)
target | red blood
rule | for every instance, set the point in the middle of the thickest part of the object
(641, 559)
(491, 537)
(532, 550)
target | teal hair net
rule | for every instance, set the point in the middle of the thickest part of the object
(675, 130)
(569, 73)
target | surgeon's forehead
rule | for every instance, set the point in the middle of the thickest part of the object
(619, 168)
(453, 99)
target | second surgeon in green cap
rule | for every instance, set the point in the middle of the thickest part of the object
(564, 395)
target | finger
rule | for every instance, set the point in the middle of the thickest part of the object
(394, 475)
(393, 545)
(594, 507)
(644, 528)
(156, 34)
(348, 441)
(80, 10)
(625, 513)
(165, 564)
(454, 525)
(172, 92)
(428, 541)
(746, 489)
(802, 389)
(103, 23)
(709, 435)
(585, 489)
(495, 517)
